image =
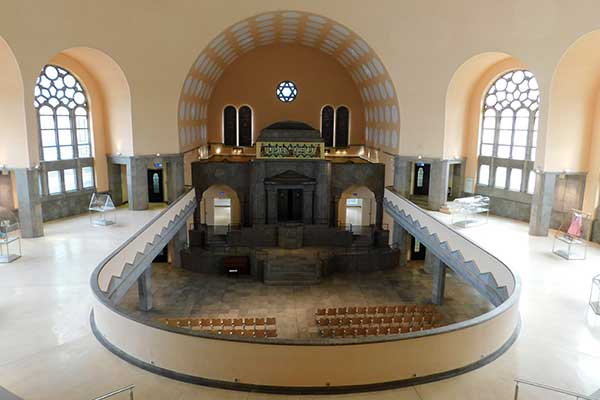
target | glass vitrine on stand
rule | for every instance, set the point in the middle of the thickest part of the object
(595, 295)
(469, 211)
(569, 242)
(10, 236)
(102, 210)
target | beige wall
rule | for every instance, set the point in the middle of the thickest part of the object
(252, 80)
(13, 139)
(422, 44)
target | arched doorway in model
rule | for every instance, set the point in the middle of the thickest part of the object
(357, 208)
(220, 207)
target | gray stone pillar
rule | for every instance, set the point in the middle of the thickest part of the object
(438, 184)
(145, 290)
(307, 205)
(541, 203)
(439, 283)
(114, 182)
(430, 262)
(137, 183)
(271, 205)
(379, 212)
(402, 178)
(175, 181)
(177, 244)
(400, 240)
(30, 203)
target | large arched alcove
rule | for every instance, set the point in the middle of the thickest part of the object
(281, 35)
(13, 130)
(573, 128)
(464, 99)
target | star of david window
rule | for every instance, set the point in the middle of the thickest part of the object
(286, 91)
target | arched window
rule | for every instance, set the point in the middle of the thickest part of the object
(342, 126)
(507, 145)
(64, 125)
(245, 126)
(63, 115)
(327, 125)
(230, 126)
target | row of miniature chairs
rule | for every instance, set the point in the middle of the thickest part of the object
(376, 310)
(255, 333)
(222, 324)
(379, 321)
(373, 331)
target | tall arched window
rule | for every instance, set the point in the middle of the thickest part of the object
(507, 143)
(327, 125)
(342, 126)
(64, 124)
(230, 126)
(245, 126)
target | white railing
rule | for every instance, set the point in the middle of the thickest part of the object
(118, 391)
(126, 253)
(470, 251)
(577, 396)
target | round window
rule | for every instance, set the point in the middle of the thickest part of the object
(286, 91)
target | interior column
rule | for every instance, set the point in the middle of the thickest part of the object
(438, 184)
(30, 203)
(137, 183)
(400, 241)
(541, 203)
(145, 290)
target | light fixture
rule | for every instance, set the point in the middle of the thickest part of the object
(218, 150)
(157, 154)
(420, 157)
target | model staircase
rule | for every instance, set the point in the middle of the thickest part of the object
(467, 270)
(133, 269)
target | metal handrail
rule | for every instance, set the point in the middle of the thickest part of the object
(551, 388)
(118, 391)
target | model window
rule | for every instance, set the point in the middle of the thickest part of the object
(327, 125)
(342, 126)
(230, 126)
(335, 126)
(237, 126)
(286, 91)
(245, 126)
(509, 127)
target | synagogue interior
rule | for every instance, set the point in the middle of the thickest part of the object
(300, 199)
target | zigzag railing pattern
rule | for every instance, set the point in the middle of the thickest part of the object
(120, 269)
(488, 275)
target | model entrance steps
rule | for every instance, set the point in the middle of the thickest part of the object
(451, 248)
(249, 327)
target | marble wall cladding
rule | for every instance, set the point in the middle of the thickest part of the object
(65, 205)
(6, 192)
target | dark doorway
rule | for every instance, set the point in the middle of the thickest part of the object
(163, 256)
(421, 179)
(155, 186)
(417, 250)
(289, 205)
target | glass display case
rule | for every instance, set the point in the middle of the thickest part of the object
(10, 236)
(102, 210)
(569, 241)
(595, 295)
(469, 211)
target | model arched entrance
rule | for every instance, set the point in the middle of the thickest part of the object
(220, 206)
(357, 207)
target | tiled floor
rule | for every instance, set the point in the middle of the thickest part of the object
(48, 352)
(180, 293)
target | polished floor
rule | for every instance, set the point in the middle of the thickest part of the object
(180, 293)
(48, 352)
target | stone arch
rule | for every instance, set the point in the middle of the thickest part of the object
(361, 210)
(371, 78)
(214, 200)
